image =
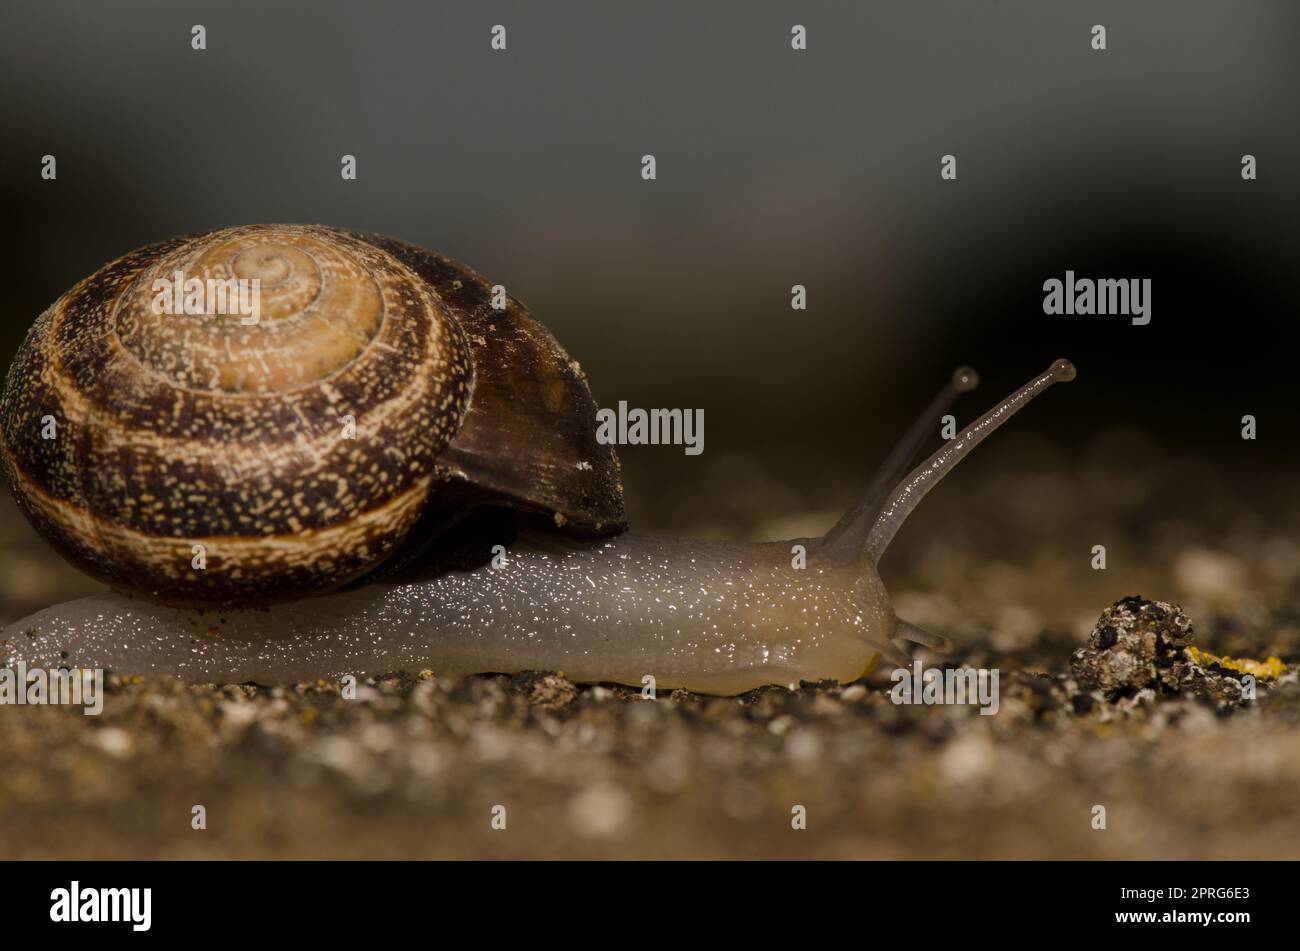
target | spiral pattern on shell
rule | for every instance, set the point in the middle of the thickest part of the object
(131, 435)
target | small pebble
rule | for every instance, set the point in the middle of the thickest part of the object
(114, 741)
(600, 810)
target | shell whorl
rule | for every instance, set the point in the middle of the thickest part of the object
(175, 430)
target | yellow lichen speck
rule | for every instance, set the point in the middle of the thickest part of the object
(1269, 669)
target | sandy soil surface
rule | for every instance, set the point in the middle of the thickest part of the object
(1094, 711)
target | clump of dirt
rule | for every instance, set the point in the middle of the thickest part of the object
(1135, 645)
(1140, 648)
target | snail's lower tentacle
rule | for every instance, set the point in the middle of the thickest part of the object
(715, 617)
(908, 631)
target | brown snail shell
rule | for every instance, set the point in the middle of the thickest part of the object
(176, 431)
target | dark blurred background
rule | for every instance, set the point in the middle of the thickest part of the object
(775, 167)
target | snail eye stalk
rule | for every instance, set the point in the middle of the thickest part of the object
(857, 521)
(869, 527)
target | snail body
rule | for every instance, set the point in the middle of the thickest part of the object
(314, 570)
(713, 617)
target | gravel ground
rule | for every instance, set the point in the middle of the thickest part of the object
(1101, 704)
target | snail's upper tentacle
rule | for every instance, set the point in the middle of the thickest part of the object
(853, 528)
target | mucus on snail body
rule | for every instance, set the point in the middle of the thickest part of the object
(326, 555)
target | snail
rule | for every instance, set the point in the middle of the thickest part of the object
(392, 471)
